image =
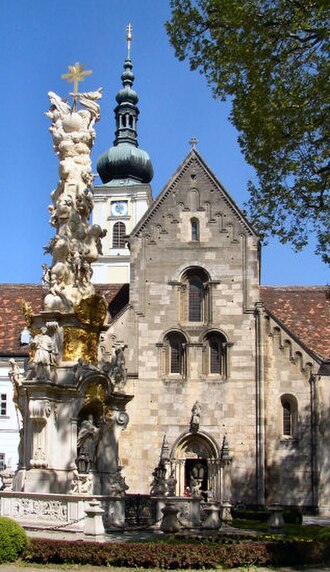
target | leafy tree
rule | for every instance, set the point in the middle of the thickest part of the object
(271, 58)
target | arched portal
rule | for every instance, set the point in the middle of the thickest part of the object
(196, 457)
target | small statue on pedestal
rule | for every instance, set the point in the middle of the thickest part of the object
(171, 484)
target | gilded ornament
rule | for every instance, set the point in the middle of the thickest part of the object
(32, 348)
(79, 343)
(95, 392)
(108, 415)
(27, 311)
(92, 311)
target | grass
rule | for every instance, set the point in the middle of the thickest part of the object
(290, 532)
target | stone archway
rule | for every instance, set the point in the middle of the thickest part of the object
(197, 454)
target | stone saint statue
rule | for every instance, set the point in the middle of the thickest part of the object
(44, 354)
(195, 417)
(87, 440)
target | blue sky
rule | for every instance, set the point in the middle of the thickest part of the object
(39, 40)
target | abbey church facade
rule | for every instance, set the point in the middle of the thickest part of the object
(230, 379)
(198, 330)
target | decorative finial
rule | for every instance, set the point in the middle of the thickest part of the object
(129, 30)
(76, 74)
(193, 142)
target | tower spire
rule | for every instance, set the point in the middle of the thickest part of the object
(129, 30)
(127, 111)
(124, 160)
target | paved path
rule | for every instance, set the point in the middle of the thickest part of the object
(143, 534)
(319, 520)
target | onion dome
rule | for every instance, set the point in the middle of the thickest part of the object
(125, 160)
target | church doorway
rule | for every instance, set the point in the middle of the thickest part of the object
(196, 474)
(195, 461)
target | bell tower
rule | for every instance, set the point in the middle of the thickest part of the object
(125, 193)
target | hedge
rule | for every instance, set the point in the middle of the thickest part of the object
(171, 556)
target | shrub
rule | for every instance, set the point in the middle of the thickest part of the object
(299, 553)
(248, 514)
(13, 539)
(292, 516)
(324, 533)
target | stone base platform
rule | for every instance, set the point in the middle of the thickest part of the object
(59, 512)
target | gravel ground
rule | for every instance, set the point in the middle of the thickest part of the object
(21, 567)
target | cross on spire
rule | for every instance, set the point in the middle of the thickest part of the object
(76, 74)
(129, 30)
(193, 142)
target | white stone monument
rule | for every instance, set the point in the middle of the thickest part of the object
(73, 411)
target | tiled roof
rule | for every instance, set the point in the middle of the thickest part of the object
(12, 320)
(305, 311)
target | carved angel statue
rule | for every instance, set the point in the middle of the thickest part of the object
(115, 369)
(14, 372)
(15, 378)
(88, 100)
(83, 369)
(82, 484)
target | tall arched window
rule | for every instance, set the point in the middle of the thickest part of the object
(196, 295)
(175, 354)
(195, 300)
(118, 235)
(215, 352)
(289, 415)
(194, 229)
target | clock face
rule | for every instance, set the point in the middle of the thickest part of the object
(119, 208)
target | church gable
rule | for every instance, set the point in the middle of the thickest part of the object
(194, 223)
(193, 192)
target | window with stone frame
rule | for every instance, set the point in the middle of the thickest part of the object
(289, 415)
(195, 296)
(2, 461)
(215, 354)
(194, 229)
(118, 235)
(3, 404)
(174, 354)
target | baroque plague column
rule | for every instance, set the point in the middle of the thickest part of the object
(72, 405)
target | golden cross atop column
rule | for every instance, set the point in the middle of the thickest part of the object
(129, 30)
(76, 74)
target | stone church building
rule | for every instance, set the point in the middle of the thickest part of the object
(230, 379)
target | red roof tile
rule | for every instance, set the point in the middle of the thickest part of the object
(12, 320)
(305, 311)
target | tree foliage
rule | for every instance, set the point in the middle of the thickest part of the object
(271, 58)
